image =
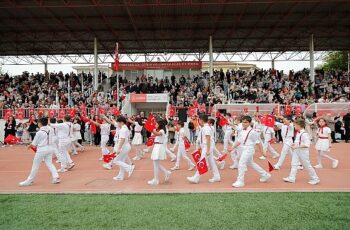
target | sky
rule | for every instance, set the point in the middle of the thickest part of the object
(66, 68)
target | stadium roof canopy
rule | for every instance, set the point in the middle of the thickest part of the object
(30, 27)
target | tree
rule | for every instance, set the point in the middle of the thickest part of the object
(336, 61)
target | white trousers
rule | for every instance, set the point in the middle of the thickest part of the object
(301, 155)
(321, 154)
(104, 140)
(181, 152)
(286, 149)
(43, 154)
(267, 147)
(169, 153)
(211, 164)
(227, 139)
(157, 167)
(245, 160)
(120, 161)
(64, 157)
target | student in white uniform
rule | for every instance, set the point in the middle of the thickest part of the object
(236, 152)
(122, 150)
(64, 133)
(43, 142)
(54, 142)
(206, 145)
(105, 130)
(287, 132)
(228, 133)
(268, 134)
(167, 150)
(301, 153)
(257, 126)
(247, 140)
(324, 144)
(181, 151)
(76, 136)
(217, 153)
(137, 140)
(159, 152)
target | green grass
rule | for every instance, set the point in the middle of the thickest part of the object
(176, 211)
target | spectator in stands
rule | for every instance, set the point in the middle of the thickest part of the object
(10, 127)
(346, 120)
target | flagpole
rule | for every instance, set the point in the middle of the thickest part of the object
(117, 48)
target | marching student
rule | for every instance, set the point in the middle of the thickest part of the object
(122, 149)
(323, 144)
(105, 130)
(54, 137)
(181, 151)
(159, 152)
(268, 134)
(167, 150)
(258, 126)
(217, 153)
(287, 132)
(43, 142)
(236, 152)
(137, 140)
(227, 133)
(64, 132)
(76, 136)
(206, 145)
(301, 153)
(247, 140)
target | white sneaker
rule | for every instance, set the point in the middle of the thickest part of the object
(300, 167)
(314, 181)
(173, 159)
(75, 153)
(153, 182)
(137, 158)
(132, 170)
(61, 170)
(276, 167)
(146, 150)
(238, 184)
(56, 180)
(107, 166)
(275, 156)
(71, 166)
(25, 183)
(167, 176)
(287, 179)
(335, 164)
(213, 180)
(191, 167)
(233, 166)
(319, 166)
(100, 159)
(175, 168)
(222, 165)
(192, 180)
(265, 178)
(117, 178)
(58, 161)
(262, 158)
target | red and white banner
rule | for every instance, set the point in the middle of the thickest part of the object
(159, 97)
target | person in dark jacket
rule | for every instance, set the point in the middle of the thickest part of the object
(346, 121)
(10, 127)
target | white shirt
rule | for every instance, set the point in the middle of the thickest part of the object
(302, 138)
(324, 132)
(268, 132)
(138, 128)
(287, 132)
(248, 137)
(42, 137)
(64, 130)
(206, 131)
(76, 131)
(124, 133)
(161, 138)
(105, 129)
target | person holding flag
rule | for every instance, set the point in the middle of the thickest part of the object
(227, 128)
(105, 130)
(206, 146)
(159, 152)
(43, 143)
(137, 140)
(236, 152)
(181, 151)
(268, 133)
(247, 140)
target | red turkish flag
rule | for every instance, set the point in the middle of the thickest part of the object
(150, 141)
(101, 111)
(72, 112)
(8, 113)
(109, 157)
(202, 166)
(298, 110)
(20, 113)
(82, 110)
(52, 113)
(187, 143)
(61, 113)
(11, 140)
(202, 109)
(34, 148)
(270, 120)
(287, 110)
(41, 112)
(93, 111)
(270, 166)
(218, 114)
(223, 157)
(195, 103)
(223, 121)
(192, 111)
(116, 58)
(114, 111)
(172, 111)
(150, 124)
(84, 119)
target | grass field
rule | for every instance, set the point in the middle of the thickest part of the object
(176, 211)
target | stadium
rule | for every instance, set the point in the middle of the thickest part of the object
(155, 114)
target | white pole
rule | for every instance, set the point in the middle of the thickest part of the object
(312, 70)
(95, 65)
(210, 56)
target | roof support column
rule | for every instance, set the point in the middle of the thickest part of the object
(210, 56)
(348, 65)
(273, 63)
(45, 70)
(95, 65)
(312, 59)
